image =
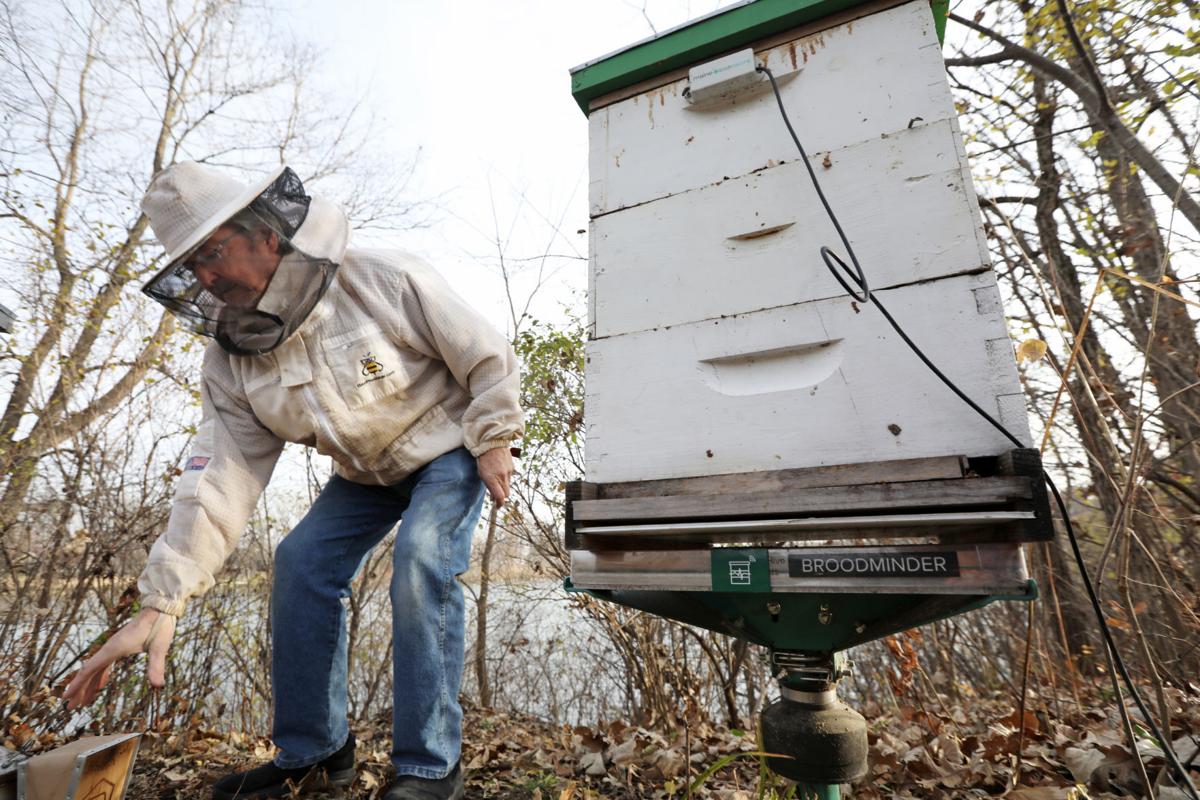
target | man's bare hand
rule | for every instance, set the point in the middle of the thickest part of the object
(496, 469)
(151, 630)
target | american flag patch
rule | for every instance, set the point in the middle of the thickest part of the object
(197, 462)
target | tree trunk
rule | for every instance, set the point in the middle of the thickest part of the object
(481, 610)
(1060, 272)
(1167, 338)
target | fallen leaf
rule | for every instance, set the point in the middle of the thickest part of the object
(1038, 793)
(587, 739)
(1032, 726)
(1082, 763)
(592, 764)
(1171, 793)
(669, 763)
(480, 760)
(624, 753)
(1031, 350)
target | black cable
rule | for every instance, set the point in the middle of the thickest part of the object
(827, 255)
(859, 278)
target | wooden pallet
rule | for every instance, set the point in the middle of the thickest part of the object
(951, 498)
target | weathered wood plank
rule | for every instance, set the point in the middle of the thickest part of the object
(990, 568)
(575, 491)
(904, 469)
(926, 521)
(1004, 526)
(967, 534)
(599, 542)
(972, 492)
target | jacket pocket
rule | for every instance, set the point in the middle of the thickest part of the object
(366, 366)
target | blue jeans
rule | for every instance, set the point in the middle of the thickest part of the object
(438, 508)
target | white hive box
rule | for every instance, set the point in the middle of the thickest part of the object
(720, 342)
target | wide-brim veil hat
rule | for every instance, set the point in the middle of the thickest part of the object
(188, 201)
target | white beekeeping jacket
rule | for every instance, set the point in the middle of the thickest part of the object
(389, 371)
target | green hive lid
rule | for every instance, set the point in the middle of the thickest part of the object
(720, 32)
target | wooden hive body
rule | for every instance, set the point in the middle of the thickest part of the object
(719, 342)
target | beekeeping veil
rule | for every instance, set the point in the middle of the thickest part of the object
(187, 202)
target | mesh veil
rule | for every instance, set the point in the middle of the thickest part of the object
(297, 285)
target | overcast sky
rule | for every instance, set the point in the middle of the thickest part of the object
(483, 89)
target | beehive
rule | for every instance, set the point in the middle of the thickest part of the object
(719, 342)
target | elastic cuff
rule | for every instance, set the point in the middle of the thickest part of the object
(490, 444)
(164, 604)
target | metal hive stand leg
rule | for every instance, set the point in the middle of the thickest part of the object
(822, 741)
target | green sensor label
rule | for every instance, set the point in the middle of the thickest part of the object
(874, 565)
(740, 571)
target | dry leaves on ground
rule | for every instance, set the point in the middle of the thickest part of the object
(954, 752)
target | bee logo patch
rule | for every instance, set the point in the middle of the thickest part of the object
(372, 370)
(370, 366)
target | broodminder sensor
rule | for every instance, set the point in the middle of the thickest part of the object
(723, 77)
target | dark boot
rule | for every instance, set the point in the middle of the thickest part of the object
(269, 780)
(410, 787)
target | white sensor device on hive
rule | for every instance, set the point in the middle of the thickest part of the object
(719, 79)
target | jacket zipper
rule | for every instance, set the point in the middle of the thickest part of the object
(327, 426)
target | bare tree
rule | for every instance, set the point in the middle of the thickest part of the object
(100, 95)
(1075, 115)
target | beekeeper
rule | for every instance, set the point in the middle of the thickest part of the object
(369, 357)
